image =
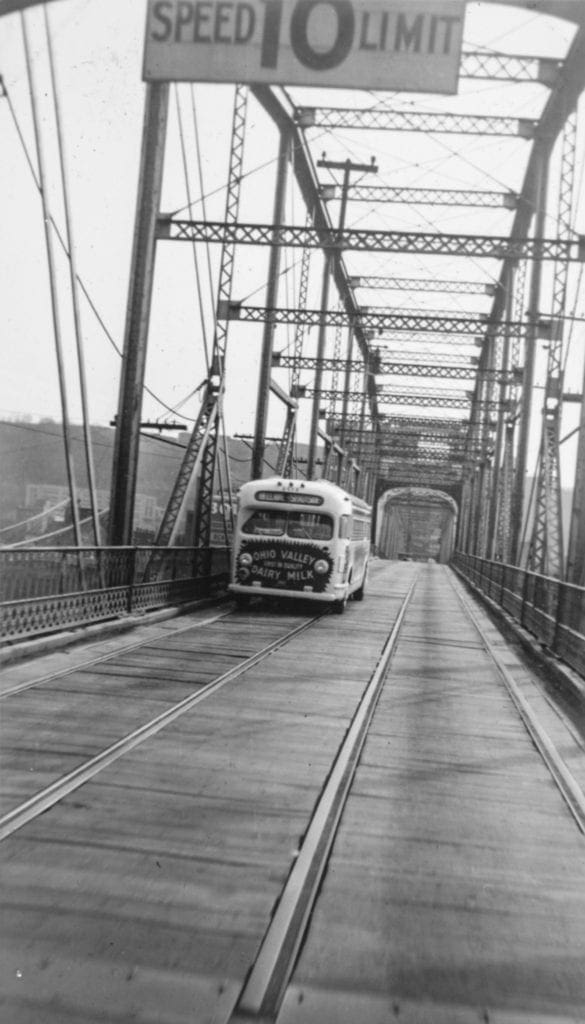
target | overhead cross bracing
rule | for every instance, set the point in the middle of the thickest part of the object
(510, 67)
(406, 121)
(417, 242)
(372, 318)
(405, 396)
(423, 284)
(384, 367)
(418, 341)
(421, 196)
(427, 355)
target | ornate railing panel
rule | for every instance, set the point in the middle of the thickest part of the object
(552, 610)
(43, 590)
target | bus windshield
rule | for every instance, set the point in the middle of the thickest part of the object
(278, 523)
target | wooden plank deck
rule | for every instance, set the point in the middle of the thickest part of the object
(143, 896)
(456, 889)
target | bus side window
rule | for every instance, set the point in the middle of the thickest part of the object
(345, 527)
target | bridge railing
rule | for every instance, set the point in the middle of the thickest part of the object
(552, 610)
(43, 590)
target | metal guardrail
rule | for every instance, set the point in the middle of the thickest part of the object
(43, 590)
(552, 610)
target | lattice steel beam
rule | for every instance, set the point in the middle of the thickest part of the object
(400, 343)
(421, 196)
(416, 398)
(417, 242)
(503, 67)
(415, 284)
(376, 320)
(200, 454)
(546, 550)
(424, 355)
(428, 352)
(421, 455)
(405, 474)
(380, 118)
(388, 423)
(192, 459)
(481, 319)
(442, 371)
(302, 304)
(416, 442)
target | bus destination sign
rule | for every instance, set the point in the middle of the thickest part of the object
(408, 45)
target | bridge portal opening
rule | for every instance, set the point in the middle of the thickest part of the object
(416, 523)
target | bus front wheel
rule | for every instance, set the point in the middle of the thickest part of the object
(358, 595)
(339, 606)
(242, 601)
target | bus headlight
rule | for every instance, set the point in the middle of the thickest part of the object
(245, 559)
(321, 566)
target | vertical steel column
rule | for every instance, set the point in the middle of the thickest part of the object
(127, 439)
(506, 480)
(473, 507)
(503, 366)
(202, 522)
(486, 404)
(347, 166)
(546, 549)
(346, 387)
(284, 450)
(481, 545)
(271, 297)
(321, 341)
(337, 360)
(576, 553)
(462, 538)
(529, 362)
(200, 452)
(302, 304)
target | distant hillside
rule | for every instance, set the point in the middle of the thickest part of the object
(33, 453)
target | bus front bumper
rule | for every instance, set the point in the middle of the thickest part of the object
(335, 593)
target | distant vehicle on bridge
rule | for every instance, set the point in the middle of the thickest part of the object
(304, 539)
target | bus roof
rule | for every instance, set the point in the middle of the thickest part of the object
(323, 488)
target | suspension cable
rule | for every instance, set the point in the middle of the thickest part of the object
(193, 247)
(91, 480)
(52, 282)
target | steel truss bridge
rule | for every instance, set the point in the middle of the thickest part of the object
(324, 355)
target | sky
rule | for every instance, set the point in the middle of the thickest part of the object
(98, 47)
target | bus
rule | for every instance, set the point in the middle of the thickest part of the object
(304, 539)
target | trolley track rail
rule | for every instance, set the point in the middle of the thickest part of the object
(274, 964)
(263, 992)
(99, 659)
(275, 955)
(62, 787)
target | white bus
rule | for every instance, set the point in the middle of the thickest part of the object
(307, 539)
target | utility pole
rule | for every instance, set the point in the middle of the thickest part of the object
(347, 166)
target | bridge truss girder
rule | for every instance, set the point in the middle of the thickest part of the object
(498, 247)
(519, 246)
(374, 320)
